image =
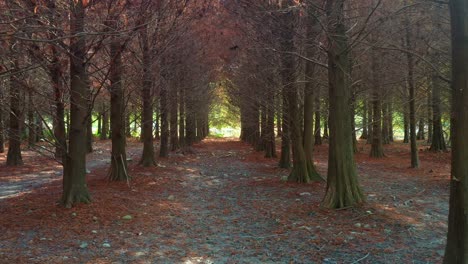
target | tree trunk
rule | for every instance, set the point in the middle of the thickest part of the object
(182, 117)
(285, 156)
(385, 124)
(456, 251)
(164, 111)
(429, 116)
(412, 97)
(390, 121)
(370, 124)
(174, 129)
(317, 132)
(421, 132)
(14, 157)
(118, 170)
(270, 144)
(326, 119)
(364, 133)
(147, 157)
(438, 141)
(376, 147)
(343, 189)
(89, 130)
(105, 123)
(75, 189)
(31, 122)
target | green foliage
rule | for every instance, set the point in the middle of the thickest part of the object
(223, 114)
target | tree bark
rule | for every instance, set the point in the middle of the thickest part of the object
(174, 126)
(75, 189)
(2, 126)
(376, 147)
(31, 122)
(456, 251)
(343, 189)
(412, 97)
(164, 111)
(118, 170)
(105, 123)
(438, 141)
(147, 157)
(14, 157)
(317, 132)
(364, 133)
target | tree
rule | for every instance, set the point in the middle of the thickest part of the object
(118, 170)
(343, 189)
(457, 238)
(75, 189)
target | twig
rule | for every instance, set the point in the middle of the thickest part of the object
(361, 259)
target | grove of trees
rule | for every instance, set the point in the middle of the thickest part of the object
(298, 74)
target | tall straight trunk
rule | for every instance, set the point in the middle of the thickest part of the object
(390, 121)
(326, 119)
(174, 125)
(421, 131)
(270, 144)
(385, 124)
(376, 147)
(370, 124)
(182, 117)
(157, 126)
(39, 129)
(147, 156)
(99, 123)
(14, 157)
(164, 112)
(118, 170)
(317, 132)
(75, 189)
(343, 189)
(364, 134)
(105, 123)
(456, 251)
(279, 125)
(429, 116)
(285, 156)
(406, 136)
(438, 141)
(31, 121)
(412, 97)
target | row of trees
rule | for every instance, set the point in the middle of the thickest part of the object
(66, 65)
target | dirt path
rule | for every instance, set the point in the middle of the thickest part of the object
(227, 204)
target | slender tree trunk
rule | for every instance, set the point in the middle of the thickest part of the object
(421, 132)
(285, 156)
(118, 170)
(279, 125)
(456, 251)
(164, 111)
(174, 129)
(317, 132)
(182, 117)
(376, 147)
(105, 123)
(412, 98)
(147, 157)
(75, 189)
(343, 189)
(157, 134)
(14, 157)
(438, 141)
(390, 121)
(99, 123)
(429, 116)
(364, 133)
(31, 121)
(370, 125)
(406, 122)
(326, 119)
(270, 144)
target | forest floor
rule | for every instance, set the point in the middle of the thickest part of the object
(225, 204)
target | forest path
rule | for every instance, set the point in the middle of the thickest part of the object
(227, 204)
(40, 170)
